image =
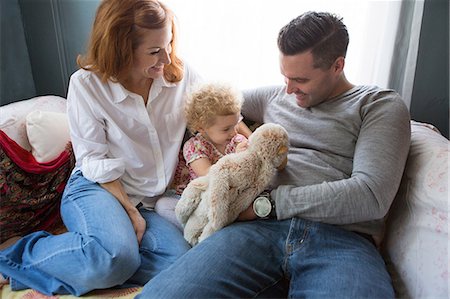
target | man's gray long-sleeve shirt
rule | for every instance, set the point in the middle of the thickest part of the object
(346, 155)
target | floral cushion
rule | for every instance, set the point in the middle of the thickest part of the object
(127, 293)
(416, 243)
(30, 191)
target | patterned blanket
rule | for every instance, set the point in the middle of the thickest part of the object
(30, 192)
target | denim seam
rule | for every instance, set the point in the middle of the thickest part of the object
(58, 253)
(13, 284)
(14, 264)
(269, 286)
(155, 240)
(86, 229)
(286, 249)
(302, 240)
(76, 205)
(291, 248)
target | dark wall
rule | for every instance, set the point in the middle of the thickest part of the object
(430, 97)
(16, 80)
(47, 36)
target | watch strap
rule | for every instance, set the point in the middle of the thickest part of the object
(273, 212)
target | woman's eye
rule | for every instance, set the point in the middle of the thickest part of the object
(154, 52)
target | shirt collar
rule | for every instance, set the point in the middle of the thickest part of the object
(119, 92)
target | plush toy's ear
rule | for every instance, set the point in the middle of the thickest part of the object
(283, 164)
(282, 150)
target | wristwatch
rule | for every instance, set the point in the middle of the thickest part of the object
(264, 206)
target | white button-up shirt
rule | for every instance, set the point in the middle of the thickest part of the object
(114, 136)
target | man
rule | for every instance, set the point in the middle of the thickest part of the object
(349, 145)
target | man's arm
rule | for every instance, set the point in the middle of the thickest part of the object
(379, 159)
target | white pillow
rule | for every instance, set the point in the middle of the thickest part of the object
(48, 134)
(416, 243)
(12, 116)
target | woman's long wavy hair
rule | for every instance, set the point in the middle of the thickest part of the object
(118, 29)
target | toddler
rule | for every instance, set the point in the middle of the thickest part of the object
(213, 117)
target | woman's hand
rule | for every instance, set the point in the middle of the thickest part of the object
(138, 222)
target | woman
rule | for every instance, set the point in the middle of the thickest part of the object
(126, 123)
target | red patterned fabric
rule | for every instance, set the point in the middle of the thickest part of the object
(30, 192)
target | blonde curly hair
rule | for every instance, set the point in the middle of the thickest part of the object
(208, 101)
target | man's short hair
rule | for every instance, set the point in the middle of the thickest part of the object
(324, 34)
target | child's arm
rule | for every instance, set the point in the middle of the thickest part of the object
(201, 166)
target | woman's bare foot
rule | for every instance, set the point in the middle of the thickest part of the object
(4, 245)
(3, 281)
(9, 242)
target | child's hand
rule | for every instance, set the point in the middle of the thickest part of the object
(242, 146)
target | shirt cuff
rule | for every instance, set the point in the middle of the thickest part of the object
(280, 195)
(104, 170)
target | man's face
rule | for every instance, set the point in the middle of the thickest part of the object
(310, 85)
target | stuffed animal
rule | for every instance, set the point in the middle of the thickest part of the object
(213, 201)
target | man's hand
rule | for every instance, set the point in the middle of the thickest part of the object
(247, 214)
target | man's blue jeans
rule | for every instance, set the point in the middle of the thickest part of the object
(274, 259)
(99, 251)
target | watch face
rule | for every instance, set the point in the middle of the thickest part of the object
(262, 207)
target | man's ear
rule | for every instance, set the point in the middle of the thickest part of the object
(339, 64)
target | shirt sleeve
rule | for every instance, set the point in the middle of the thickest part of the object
(88, 134)
(256, 102)
(195, 78)
(380, 155)
(194, 149)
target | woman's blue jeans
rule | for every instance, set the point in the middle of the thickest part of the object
(274, 259)
(99, 251)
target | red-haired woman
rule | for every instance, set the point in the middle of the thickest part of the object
(125, 111)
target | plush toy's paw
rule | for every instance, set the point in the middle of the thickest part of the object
(194, 228)
(207, 231)
(192, 240)
(200, 183)
(190, 198)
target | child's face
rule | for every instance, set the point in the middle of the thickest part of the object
(222, 130)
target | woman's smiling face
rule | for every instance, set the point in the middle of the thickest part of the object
(152, 54)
